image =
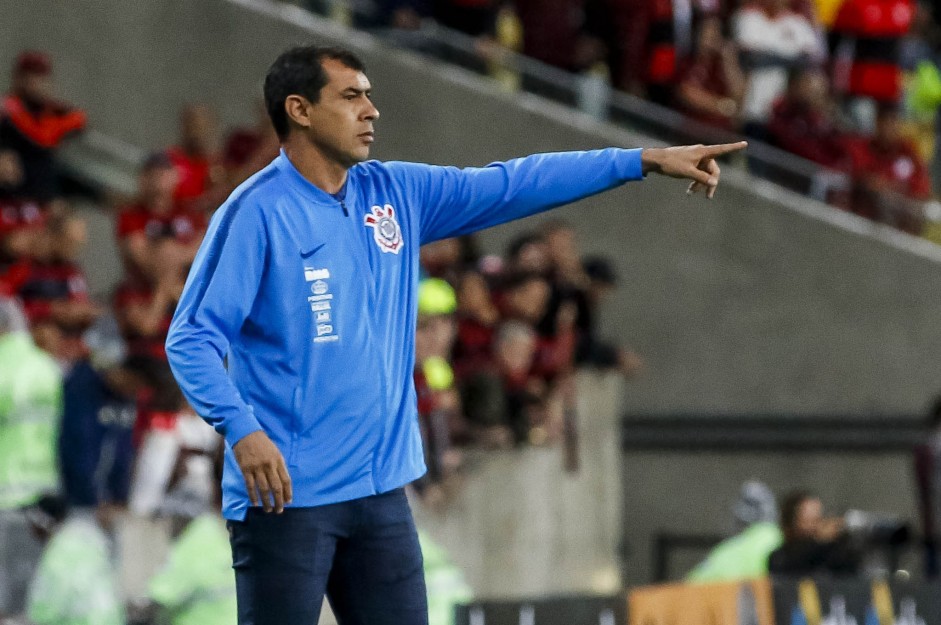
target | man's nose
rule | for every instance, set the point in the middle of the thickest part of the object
(372, 113)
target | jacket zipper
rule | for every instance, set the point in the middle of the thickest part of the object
(372, 300)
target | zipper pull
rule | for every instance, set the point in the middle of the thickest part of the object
(343, 206)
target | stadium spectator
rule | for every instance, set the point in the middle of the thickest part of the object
(528, 253)
(803, 122)
(922, 82)
(564, 257)
(712, 84)
(21, 221)
(890, 179)
(744, 555)
(249, 148)
(33, 124)
(175, 451)
(568, 300)
(591, 350)
(96, 453)
(438, 400)
(867, 45)
(546, 306)
(200, 176)
(643, 45)
(157, 236)
(525, 297)
(143, 311)
(501, 398)
(813, 544)
(16, 210)
(773, 40)
(556, 32)
(54, 292)
(30, 407)
(477, 320)
(75, 583)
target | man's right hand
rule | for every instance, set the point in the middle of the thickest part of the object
(264, 471)
(693, 162)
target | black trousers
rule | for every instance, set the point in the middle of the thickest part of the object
(363, 554)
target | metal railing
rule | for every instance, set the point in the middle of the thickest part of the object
(587, 92)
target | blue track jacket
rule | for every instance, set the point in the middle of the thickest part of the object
(298, 315)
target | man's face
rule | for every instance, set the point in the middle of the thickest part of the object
(529, 300)
(341, 122)
(808, 518)
(158, 183)
(33, 87)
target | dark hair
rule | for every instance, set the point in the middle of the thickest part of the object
(599, 270)
(299, 71)
(791, 507)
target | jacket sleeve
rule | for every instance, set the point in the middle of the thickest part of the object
(218, 296)
(460, 201)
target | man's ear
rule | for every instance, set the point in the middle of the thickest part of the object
(298, 109)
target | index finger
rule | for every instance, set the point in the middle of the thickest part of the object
(711, 151)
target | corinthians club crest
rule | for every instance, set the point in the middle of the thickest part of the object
(385, 229)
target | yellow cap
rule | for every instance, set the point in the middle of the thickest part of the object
(436, 297)
(438, 373)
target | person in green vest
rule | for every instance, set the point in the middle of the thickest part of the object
(75, 581)
(444, 582)
(745, 555)
(30, 409)
(196, 585)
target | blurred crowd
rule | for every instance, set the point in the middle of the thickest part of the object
(92, 423)
(853, 86)
(499, 338)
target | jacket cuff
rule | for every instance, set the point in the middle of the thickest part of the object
(237, 429)
(631, 166)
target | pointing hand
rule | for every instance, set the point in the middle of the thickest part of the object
(692, 162)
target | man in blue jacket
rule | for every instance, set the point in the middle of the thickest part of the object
(294, 336)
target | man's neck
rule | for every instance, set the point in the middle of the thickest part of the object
(320, 170)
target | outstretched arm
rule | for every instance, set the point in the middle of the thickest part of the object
(459, 201)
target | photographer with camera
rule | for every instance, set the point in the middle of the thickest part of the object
(813, 544)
